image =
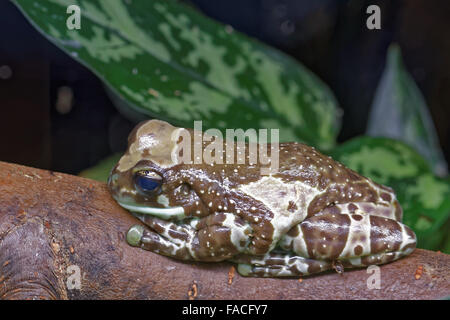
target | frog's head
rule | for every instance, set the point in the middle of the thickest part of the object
(149, 177)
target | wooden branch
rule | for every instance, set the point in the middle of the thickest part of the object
(50, 221)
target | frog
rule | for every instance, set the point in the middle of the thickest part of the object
(311, 215)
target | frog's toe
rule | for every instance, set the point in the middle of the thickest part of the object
(134, 235)
(244, 269)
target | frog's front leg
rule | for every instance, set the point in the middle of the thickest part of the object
(216, 237)
(164, 237)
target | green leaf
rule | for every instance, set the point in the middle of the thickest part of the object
(100, 171)
(169, 61)
(425, 198)
(399, 111)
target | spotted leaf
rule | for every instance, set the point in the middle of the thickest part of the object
(166, 60)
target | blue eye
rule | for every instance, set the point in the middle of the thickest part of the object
(147, 181)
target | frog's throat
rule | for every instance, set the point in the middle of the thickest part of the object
(163, 213)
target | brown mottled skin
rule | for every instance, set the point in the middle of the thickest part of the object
(311, 215)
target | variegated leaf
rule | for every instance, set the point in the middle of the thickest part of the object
(168, 61)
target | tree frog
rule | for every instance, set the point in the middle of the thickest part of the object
(311, 215)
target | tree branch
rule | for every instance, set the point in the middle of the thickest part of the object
(51, 221)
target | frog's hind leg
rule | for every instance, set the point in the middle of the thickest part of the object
(349, 237)
(279, 265)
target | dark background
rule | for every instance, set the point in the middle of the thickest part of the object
(328, 36)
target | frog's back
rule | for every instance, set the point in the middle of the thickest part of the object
(301, 162)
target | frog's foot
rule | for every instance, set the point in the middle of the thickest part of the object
(163, 237)
(372, 259)
(279, 265)
(216, 237)
(337, 236)
(140, 236)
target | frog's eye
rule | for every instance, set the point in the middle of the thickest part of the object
(147, 181)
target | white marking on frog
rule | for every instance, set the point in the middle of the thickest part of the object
(276, 195)
(406, 239)
(237, 232)
(355, 261)
(298, 243)
(124, 190)
(358, 229)
(163, 213)
(159, 140)
(162, 199)
(301, 266)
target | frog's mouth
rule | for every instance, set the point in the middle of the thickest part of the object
(163, 213)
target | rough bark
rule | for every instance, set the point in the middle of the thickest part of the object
(50, 221)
